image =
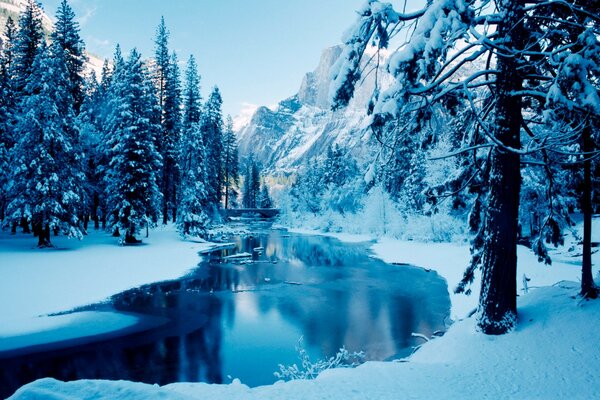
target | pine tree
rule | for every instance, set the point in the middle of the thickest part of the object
(265, 200)
(192, 97)
(66, 34)
(28, 38)
(230, 161)
(134, 162)
(192, 216)
(530, 45)
(161, 59)
(212, 131)
(46, 180)
(91, 124)
(7, 109)
(171, 136)
(251, 185)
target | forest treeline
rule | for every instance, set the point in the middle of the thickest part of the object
(124, 151)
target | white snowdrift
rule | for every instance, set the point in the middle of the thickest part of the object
(39, 282)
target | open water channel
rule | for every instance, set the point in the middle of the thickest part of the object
(241, 317)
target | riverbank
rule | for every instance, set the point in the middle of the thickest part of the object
(551, 354)
(37, 282)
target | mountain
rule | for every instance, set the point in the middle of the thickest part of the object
(12, 8)
(303, 126)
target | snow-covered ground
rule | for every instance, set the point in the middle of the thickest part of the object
(37, 282)
(552, 354)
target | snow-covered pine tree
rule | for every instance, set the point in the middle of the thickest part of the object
(166, 86)
(7, 109)
(265, 200)
(247, 188)
(28, 37)
(66, 34)
(171, 137)
(91, 124)
(192, 216)
(251, 186)
(230, 161)
(522, 70)
(134, 162)
(46, 179)
(192, 98)
(212, 131)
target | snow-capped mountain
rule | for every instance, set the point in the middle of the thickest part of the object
(12, 8)
(303, 126)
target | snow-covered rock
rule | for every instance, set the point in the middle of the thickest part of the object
(303, 125)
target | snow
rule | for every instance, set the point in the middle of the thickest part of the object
(76, 273)
(550, 355)
(51, 329)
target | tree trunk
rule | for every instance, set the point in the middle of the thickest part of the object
(95, 207)
(588, 288)
(166, 189)
(498, 299)
(25, 225)
(44, 236)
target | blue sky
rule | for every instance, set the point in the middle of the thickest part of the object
(256, 51)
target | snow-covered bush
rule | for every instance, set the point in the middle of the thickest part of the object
(310, 370)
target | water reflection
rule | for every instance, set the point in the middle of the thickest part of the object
(241, 317)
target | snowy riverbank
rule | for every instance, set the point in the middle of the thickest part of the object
(550, 355)
(36, 282)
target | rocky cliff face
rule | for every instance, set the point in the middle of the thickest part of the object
(302, 126)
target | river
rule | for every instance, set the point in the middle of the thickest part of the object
(244, 311)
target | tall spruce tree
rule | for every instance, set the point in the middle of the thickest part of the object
(192, 216)
(46, 179)
(230, 161)
(192, 97)
(66, 34)
(171, 137)
(7, 109)
(212, 132)
(131, 176)
(251, 186)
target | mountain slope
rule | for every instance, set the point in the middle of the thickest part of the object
(303, 126)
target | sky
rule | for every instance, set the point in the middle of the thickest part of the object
(256, 51)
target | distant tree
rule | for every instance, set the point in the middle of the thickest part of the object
(265, 200)
(66, 34)
(134, 162)
(212, 131)
(230, 161)
(251, 186)
(46, 179)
